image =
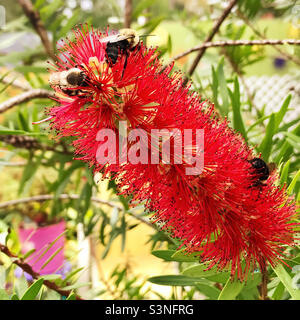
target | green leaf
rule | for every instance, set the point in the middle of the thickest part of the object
(272, 128)
(72, 296)
(3, 295)
(14, 297)
(28, 253)
(214, 87)
(8, 131)
(169, 44)
(238, 123)
(51, 277)
(6, 86)
(278, 292)
(113, 234)
(48, 10)
(231, 290)
(27, 69)
(201, 272)
(293, 140)
(84, 201)
(164, 254)
(33, 290)
(293, 183)
(175, 280)
(76, 286)
(257, 123)
(287, 150)
(23, 121)
(29, 173)
(284, 173)
(287, 281)
(224, 109)
(209, 291)
(70, 23)
(152, 24)
(64, 177)
(49, 246)
(72, 274)
(123, 232)
(281, 113)
(182, 256)
(141, 6)
(266, 145)
(39, 3)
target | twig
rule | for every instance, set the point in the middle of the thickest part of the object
(27, 268)
(30, 143)
(46, 197)
(227, 43)
(38, 25)
(26, 96)
(16, 83)
(128, 13)
(259, 34)
(214, 30)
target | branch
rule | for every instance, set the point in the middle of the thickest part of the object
(27, 268)
(46, 197)
(214, 30)
(16, 83)
(30, 143)
(38, 25)
(128, 13)
(227, 43)
(26, 96)
(259, 34)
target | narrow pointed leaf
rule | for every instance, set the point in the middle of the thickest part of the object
(287, 281)
(51, 258)
(266, 145)
(33, 290)
(293, 183)
(231, 290)
(175, 280)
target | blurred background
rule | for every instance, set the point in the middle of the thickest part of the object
(105, 250)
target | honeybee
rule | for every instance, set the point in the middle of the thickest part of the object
(69, 80)
(261, 170)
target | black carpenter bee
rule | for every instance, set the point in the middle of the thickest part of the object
(69, 80)
(261, 170)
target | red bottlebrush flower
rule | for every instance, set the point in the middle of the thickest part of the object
(224, 212)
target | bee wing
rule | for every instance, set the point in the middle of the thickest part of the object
(115, 38)
(109, 38)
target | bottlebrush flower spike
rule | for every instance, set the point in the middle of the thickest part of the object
(219, 213)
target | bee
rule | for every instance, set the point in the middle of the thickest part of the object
(261, 170)
(121, 43)
(69, 80)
